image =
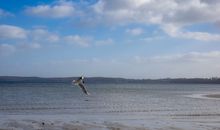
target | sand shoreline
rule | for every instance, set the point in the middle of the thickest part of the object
(59, 125)
(213, 95)
(77, 122)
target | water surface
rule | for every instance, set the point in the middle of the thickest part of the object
(150, 99)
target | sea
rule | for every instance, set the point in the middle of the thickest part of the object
(146, 104)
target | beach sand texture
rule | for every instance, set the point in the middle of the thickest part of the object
(213, 95)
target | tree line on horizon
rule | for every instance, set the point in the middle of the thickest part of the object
(97, 80)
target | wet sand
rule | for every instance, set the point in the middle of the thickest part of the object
(210, 96)
(72, 122)
(57, 125)
(213, 95)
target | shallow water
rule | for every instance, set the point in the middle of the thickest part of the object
(153, 99)
(151, 106)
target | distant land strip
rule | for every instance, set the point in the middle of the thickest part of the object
(107, 80)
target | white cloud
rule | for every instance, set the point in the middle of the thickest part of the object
(158, 11)
(191, 57)
(150, 39)
(60, 9)
(104, 42)
(28, 39)
(129, 11)
(214, 2)
(175, 31)
(177, 13)
(53, 38)
(76, 39)
(85, 41)
(43, 35)
(135, 31)
(7, 49)
(35, 38)
(203, 36)
(12, 32)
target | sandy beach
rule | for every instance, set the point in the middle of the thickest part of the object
(59, 125)
(213, 95)
(110, 122)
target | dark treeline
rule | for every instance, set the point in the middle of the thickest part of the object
(99, 80)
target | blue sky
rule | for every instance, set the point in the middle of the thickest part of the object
(110, 38)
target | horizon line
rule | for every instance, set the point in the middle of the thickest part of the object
(114, 77)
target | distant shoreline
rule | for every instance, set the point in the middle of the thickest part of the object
(107, 80)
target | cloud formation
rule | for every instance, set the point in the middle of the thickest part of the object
(191, 57)
(38, 37)
(107, 41)
(76, 39)
(20, 38)
(86, 41)
(167, 14)
(135, 31)
(178, 32)
(171, 15)
(158, 11)
(44, 35)
(60, 9)
(12, 32)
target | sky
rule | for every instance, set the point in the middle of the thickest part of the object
(110, 38)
